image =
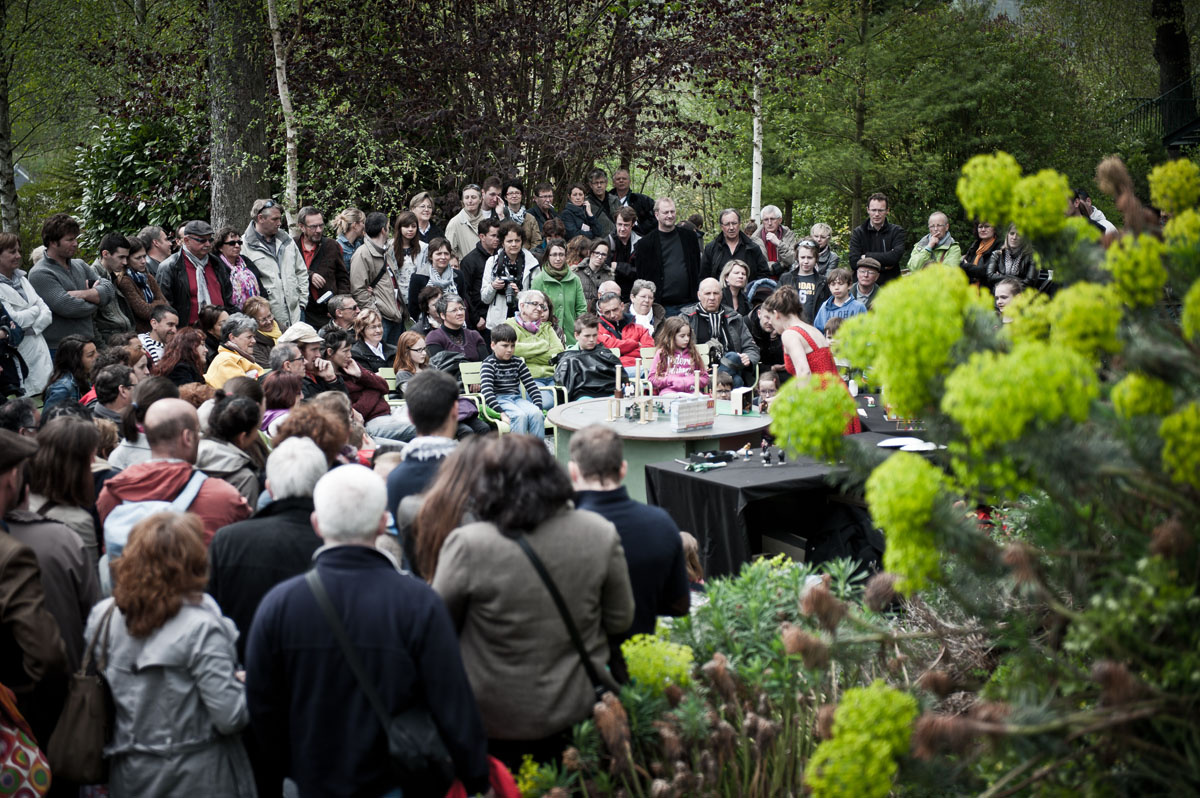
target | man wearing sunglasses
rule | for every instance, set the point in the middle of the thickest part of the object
(280, 265)
(194, 277)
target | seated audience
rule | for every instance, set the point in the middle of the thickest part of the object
(537, 342)
(619, 331)
(134, 447)
(61, 487)
(975, 261)
(453, 336)
(235, 356)
(427, 302)
(182, 361)
(587, 370)
(210, 321)
(678, 367)
(369, 349)
(646, 312)
(1006, 291)
(366, 389)
(733, 279)
(501, 379)
(432, 401)
(329, 430)
(114, 392)
(267, 332)
(232, 431)
(1014, 259)
(768, 387)
(730, 343)
(69, 381)
(282, 392)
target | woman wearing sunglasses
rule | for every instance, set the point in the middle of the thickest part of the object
(243, 274)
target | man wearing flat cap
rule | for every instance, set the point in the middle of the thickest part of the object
(193, 277)
(34, 655)
(865, 289)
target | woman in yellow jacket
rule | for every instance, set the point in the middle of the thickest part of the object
(235, 356)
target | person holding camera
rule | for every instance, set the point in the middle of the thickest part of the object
(505, 275)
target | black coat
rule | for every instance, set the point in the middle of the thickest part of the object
(250, 557)
(433, 232)
(328, 263)
(419, 281)
(371, 361)
(173, 280)
(587, 374)
(643, 205)
(885, 245)
(717, 254)
(647, 259)
(471, 268)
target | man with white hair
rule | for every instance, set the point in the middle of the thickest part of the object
(778, 243)
(936, 247)
(308, 709)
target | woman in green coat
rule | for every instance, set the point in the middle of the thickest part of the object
(562, 286)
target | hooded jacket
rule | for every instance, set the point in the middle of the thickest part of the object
(218, 503)
(947, 251)
(282, 272)
(225, 461)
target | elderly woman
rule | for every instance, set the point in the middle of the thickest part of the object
(537, 342)
(505, 274)
(646, 312)
(527, 676)
(172, 669)
(562, 286)
(268, 332)
(734, 277)
(235, 355)
(370, 350)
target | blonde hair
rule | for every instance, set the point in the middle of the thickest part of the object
(821, 229)
(347, 219)
(255, 304)
(365, 318)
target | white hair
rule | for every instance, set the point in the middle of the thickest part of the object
(528, 294)
(770, 211)
(294, 467)
(349, 502)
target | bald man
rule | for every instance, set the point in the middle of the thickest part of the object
(173, 432)
(725, 329)
(938, 246)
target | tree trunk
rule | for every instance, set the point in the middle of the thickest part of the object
(291, 193)
(237, 110)
(860, 113)
(757, 162)
(1172, 51)
(10, 217)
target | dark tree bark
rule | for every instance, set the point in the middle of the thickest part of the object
(9, 212)
(237, 67)
(1171, 46)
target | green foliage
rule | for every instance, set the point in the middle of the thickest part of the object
(657, 663)
(1137, 269)
(138, 173)
(1085, 318)
(1038, 203)
(901, 494)
(986, 187)
(811, 415)
(1181, 444)
(1138, 395)
(1175, 185)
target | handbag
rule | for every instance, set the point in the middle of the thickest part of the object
(76, 748)
(24, 768)
(599, 687)
(416, 753)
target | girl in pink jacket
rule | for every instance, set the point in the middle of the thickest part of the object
(676, 360)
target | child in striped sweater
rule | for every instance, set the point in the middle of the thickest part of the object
(500, 379)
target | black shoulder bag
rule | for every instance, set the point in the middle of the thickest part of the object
(598, 686)
(418, 757)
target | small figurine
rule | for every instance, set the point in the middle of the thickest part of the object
(766, 453)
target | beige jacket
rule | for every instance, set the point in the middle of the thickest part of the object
(526, 674)
(369, 262)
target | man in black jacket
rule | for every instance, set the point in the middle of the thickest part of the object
(669, 258)
(543, 205)
(193, 277)
(879, 239)
(587, 370)
(622, 197)
(432, 400)
(471, 267)
(733, 244)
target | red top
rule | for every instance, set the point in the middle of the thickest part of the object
(820, 361)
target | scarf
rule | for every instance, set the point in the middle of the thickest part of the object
(428, 447)
(531, 326)
(1012, 264)
(559, 274)
(983, 249)
(444, 281)
(272, 333)
(139, 279)
(518, 215)
(202, 295)
(472, 221)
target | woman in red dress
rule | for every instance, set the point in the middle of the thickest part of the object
(805, 348)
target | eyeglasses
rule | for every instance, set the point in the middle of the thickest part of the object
(231, 244)
(201, 239)
(541, 305)
(417, 349)
(353, 309)
(297, 359)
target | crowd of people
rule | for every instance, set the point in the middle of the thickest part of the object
(195, 418)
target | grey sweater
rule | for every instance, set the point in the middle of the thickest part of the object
(72, 316)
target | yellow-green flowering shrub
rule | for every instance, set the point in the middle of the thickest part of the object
(900, 494)
(657, 663)
(871, 727)
(810, 416)
(1039, 203)
(1137, 269)
(997, 398)
(909, 333)
(1190, 320)
(1085, 317)
(986, 185)
(1031, 316)
(1183, 230)
(1140, 395)
(1083, 230)
(1181, 445)
(1175, 185)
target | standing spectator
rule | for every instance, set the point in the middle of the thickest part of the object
(439, 273)
(331, 742)
(594, 271)
(235, 357)
(622, 197)
(135, 447)
(514, 209)
(226, 449)
(505, 274)
(138, 288)
(562, 286)
(777, 242)
(375, 281)
(597, 198)
(72, 368)
(408, 255)
(621, 242)
(936, 247)
(350, 225)
(526, 674)
(323, 259)
(370, 350)
(543, 205)
(827, 258)
(164, 324)
(491, 206)
(157, 245)
(194, 277)
(578, 215)
(113, 317)
(453, 336)
(879, 239)
(866, 288)
(422, 205)
(244, 279)
(70, 288)
(29, 311)
(649, 536)
(277, 258)
(60, 478)
(669, 260)
(268, 331)
(810, 285)
(171, 668)
(182, 361)
(734, 278)
(462, 231)
(173, 434)
(732, 244)
(472, 267)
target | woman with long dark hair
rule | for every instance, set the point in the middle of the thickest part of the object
(526, 674)
(60, 478)
(282, 391)
(138, 286)
(172, 670)
(209, 321)
(409, 255)
(182, 361)
(71, 378)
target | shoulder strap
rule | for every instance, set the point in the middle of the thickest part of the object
(90, 659)
(188, 495)
(386, 268)
(538, 566)
(806, 337)
(339, 633)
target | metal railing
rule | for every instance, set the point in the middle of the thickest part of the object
(1164, 115)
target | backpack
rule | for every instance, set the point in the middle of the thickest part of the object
(125, 516)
